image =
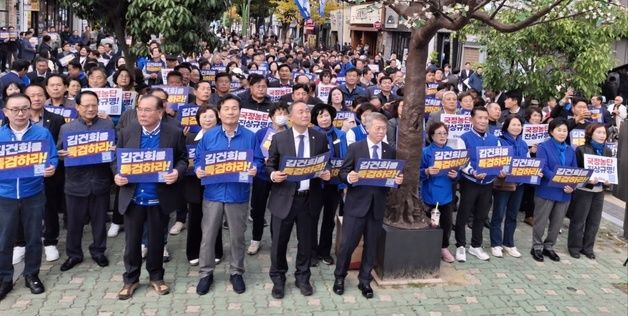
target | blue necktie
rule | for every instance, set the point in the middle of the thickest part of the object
(374, 155)
(300, 147)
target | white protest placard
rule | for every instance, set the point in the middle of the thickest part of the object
(323, 91)
(534, 133)
(457, 124)
(276, 93)
(604, 168)
(109, 100)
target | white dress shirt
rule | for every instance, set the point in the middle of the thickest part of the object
(305, 184)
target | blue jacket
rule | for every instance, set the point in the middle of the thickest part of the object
(434, 188)
(342, 147)
(472, 140)
(476, 82)
(25, 187)
(359, 132)
(216, 139)
(344, 68)
(259, 138)
(547, 151)
(351, 95)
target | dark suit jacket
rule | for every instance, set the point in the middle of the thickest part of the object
(170, 196)
(53, 123)
(281, 194)
(359, 198)
(463, 75)
(33, 76)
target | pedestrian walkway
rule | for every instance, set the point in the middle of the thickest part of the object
(501, 286)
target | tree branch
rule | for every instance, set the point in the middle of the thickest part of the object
(482, 16)
(501, 5)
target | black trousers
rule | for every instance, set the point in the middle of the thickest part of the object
(446, 221)
(322, 247)
(193, 241)
(55, 204)
(282, 229)
(527, 202)
(353, 228)
(83, 209)
(116, 217)
(475, 199)
(134, 219)
(585, 220)
(259, 198)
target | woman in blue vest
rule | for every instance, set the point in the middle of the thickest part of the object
(438, 188)
(322, 118)
(588, 200)
(507, 196)
(551, 203)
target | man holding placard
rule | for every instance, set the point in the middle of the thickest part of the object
(149, 202)
(216, 157)
(364, 205)
(475, 187)
(88, 182)
(22, 199)
(292, 201)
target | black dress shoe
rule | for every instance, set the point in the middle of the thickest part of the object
(551, 254)
(589, 255)
(278, 290)
(70, 263)
(34, 283)
(366, 289)
(574, 254)
(204, 284)
(537, 255)
(5, 288)
(305, 287)
(339, 286)
(101, 260)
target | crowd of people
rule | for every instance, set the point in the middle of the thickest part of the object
(304, 123)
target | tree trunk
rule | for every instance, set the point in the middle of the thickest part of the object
(405, 208)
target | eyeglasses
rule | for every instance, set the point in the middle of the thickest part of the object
(441, 133)
(18, 111)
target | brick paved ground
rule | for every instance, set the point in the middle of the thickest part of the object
(507, 286)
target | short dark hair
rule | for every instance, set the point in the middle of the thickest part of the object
(20, 65)
(152, 90)
(56, 75)
(351, 70)
(81, 93)
(255, 78)
(556, 123)
(276, 107)
(97, 69)
(385, 78)
(227, 98)
(75, 64)
(531, 110)
(298, 86)
(365, 106)
(509, 119)
(432, 129)
(160, 103)
(224, 74)
(515, 96)
(119, 71)
(174, 73)
(16, 96)
(284, 66)
(477, 109)
(204, 108)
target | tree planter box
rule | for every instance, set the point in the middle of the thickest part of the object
(408, 254)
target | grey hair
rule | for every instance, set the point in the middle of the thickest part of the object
(374, 116)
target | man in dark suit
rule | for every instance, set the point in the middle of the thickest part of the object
(18, 70)
(41, 72)
(364, 206)
(292, 202)
(465, 74)
(149, 202)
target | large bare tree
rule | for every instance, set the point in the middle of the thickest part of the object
(425, 18)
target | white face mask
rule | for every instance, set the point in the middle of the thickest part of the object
(281, 120)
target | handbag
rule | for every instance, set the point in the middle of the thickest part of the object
(501, 185)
